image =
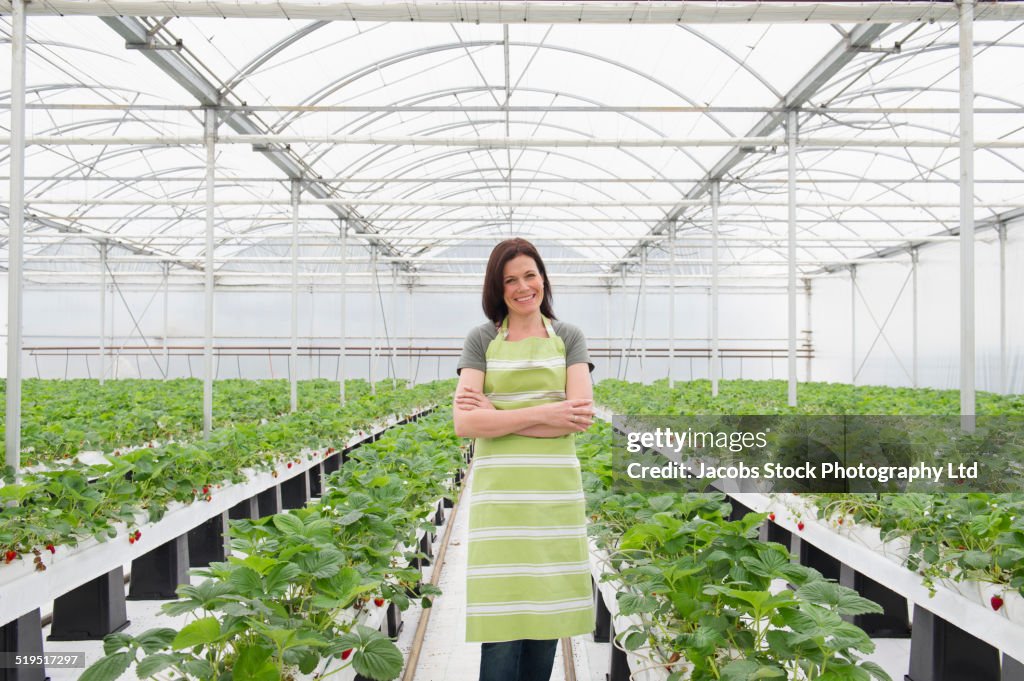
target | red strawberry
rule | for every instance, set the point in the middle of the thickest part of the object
(206, 489)
(9, 556)
(138, 535)
(800, 525)
(840, 521)
(771, 517)
(289, 464)
(378, 602)
(997, 602)
(346, 654)
(51, 548)
(131, 538)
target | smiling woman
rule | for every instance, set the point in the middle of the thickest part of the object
(524, 391)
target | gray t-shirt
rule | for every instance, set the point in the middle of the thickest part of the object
(474, 351)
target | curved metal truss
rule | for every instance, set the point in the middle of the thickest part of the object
(427, 207)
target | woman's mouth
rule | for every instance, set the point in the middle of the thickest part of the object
(526, 299)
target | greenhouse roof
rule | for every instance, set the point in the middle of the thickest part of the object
(434, 129)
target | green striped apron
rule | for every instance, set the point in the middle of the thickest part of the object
(528, 572)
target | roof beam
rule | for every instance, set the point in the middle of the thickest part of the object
(858, 39)
(208, 94)
(911, 244)
(120, 242)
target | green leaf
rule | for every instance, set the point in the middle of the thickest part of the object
(115, 642)
(977, 559)
(325, 563)
(254, 664)
(258, 563)
(237, 609)
(108, 668)
(247, 581)
(844, 600)
(288, 523)
(756, 599)
(200, 632)
(198, 668)
(280, 576)
(378, 659)
(154, 664)
(630, 604)
(349, 518)
(739, 670)
(634, 640)
(875, 670)
(155, 639)
(175, 608)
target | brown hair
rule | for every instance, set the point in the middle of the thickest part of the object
(494, 286)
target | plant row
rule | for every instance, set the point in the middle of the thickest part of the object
(703, 587)
(286, 602)
(62, 418)
(66, 504)
(770, 397)
(958, 540)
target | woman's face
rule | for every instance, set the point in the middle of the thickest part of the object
(523, 285)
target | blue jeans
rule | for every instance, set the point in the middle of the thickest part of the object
(524, 660)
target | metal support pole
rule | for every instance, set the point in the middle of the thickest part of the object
(394, 327)
(608, 327)
(643, 314)
(913, 316)
(103, 311)
(715, 361)
(374, 291)
(624, 351)
(16, 237)
(967, 211)
(211, 179)
(115, 355)
(671, 301)
(293, 357)
(1004, 380)
(853, 324)
(408, 328)
(808, 333)
(791, 147)
(167, 343)
(342, 342)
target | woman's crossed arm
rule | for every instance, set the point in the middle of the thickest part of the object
(475, 416)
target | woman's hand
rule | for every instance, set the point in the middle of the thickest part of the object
(468, 399)
(575, 415)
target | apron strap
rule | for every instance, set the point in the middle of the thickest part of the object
(503, 331)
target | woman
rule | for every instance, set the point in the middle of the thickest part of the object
(524, 390)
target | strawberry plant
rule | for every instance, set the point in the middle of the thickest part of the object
(286, 601)
(73, 501)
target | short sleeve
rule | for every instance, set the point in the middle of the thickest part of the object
(575, 346)
(474, 352)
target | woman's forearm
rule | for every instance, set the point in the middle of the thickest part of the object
(544, 430)
(496, 422)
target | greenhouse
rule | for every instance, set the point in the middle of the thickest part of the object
(672, 340)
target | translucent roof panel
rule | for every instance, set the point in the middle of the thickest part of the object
(438, 138)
